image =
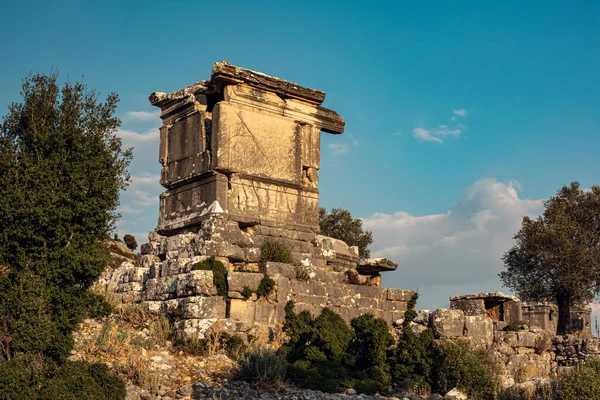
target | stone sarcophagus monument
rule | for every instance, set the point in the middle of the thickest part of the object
(244, 143)
(240, 157)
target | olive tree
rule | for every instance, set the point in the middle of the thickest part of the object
(557, 256)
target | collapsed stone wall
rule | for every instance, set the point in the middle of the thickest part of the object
(172, 287)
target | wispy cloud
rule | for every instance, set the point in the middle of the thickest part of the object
(132, 136)
(141, 116)
(425, 135)
(439, 133)
(339, 148)
(460, 112)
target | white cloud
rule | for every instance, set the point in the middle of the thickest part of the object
(424, 135)
(144, 191)
(141, 116)
(339, 148)
(456, 251)
(438, 133)
(132, 136)
(460, 112)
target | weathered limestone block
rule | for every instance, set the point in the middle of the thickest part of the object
(242, 310)
(371, 292)
(469, 307)
(448, 323)
(371, 266)
(239, 280)
(323, 275)
(276, 269)
(283, 290)
(313, 288)
(129, 287)
(196, 283)
(423, 317)
(269, 313)
(479, 329)
(526, 339)
(201, 307)
(138, 274)
(399, 294)
(510, 338)
(316, 300)
(166, 288)
(391, 305)
(194, 328)
(336, 252)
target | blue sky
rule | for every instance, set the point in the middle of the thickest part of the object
(460, 115)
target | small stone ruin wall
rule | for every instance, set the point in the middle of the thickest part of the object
(528, 353)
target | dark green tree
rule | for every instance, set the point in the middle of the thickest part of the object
(339, 224)
(130, 242)
(557, 256)
(61, 169)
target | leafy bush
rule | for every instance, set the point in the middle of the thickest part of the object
(276, 252)
(369, 348)
(327, 355)
(264, 367)
(219, 273)
(472, 370)
(35, 378)
(317, 349)
(97, 307)
(247, 293)
(416, 357)
(79, 380)
(265, 287)
(130, 242)
(583, 382)
(56, 137)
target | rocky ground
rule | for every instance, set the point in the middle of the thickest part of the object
(136, 349)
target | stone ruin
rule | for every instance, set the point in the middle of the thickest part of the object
(240, 157)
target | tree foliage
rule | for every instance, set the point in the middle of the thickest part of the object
(557, 256)
(61, 169)
(130, 242)
(339, 224)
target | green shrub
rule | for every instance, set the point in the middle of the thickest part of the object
(275, 251)
(79, 380)
(18, 380)
(369, 348)
(317, 350)
(472, 370)
(97, 307)
(219, 274)
(247, 293)
(264, 367)
(35, 378)
(265, 287)
(583, 382)
(416, 357)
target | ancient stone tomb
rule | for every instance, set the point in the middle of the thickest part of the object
(240, 157)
